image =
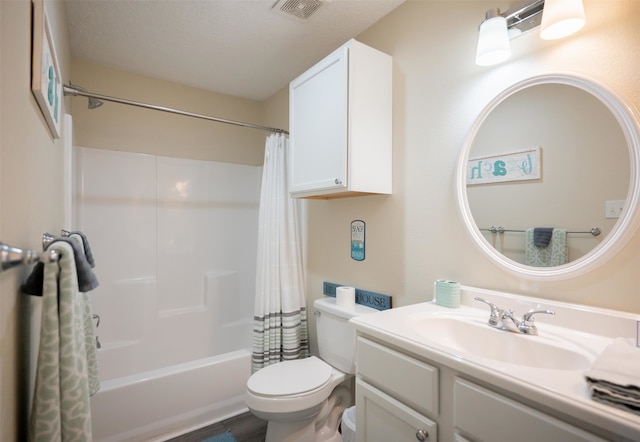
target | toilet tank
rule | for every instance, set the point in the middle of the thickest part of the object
(336, 337)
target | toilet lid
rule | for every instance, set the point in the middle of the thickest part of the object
(290, 377)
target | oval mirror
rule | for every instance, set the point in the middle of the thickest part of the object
(552, 153)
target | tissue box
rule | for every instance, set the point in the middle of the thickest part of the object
(447, 293)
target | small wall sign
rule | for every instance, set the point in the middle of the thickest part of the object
(357, 240)
(512, 166)
(46, 83)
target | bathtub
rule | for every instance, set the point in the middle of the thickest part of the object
(159, 404)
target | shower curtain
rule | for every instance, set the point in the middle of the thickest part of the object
(280, 315)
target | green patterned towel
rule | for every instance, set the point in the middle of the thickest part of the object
(66, 375)
(555, 254)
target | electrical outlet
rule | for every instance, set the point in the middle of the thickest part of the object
(613, 208)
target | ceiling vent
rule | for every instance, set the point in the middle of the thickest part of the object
(301, 10)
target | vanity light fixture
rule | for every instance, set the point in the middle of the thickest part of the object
(557, 18)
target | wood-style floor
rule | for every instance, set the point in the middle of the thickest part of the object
(245, 428)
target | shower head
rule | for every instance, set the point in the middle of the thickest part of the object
(72, 89)
(94, 103)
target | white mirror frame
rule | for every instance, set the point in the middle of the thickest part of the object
(629, 121)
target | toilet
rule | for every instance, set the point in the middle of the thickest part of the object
(303, 399)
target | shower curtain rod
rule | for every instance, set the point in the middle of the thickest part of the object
(74, 91)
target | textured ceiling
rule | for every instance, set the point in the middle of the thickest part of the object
(237, 47)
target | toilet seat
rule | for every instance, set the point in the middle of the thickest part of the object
(299, 387)
(290, 378)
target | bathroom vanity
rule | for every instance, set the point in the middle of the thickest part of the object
(432, 373)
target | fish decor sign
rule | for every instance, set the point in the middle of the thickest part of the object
(512, 166)
(357, 240)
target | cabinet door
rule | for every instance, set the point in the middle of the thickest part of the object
(380, 418)
(318, 108)
(417, 387)
(482, 415)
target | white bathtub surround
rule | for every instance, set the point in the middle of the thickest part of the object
(164, 403)
(280, 315)
(175, 242)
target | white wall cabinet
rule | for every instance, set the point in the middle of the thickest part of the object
(340, 119)
(403, 397)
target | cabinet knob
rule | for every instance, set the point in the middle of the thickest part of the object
(338, 181)
(422, 435)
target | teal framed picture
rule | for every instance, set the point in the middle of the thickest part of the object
(518, 165)
(46, 83)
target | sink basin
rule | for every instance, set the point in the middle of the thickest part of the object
(475, 336)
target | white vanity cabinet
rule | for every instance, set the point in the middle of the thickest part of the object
(448, 372)
(395, 395)
(340, 125)
(403, 397)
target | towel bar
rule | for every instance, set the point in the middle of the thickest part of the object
(11, 257)
(595, 231)
(48, 238)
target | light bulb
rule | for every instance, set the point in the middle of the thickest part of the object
(561, 18)
(493, 42)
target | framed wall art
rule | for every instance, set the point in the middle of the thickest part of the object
(518, 165)
(46, 83)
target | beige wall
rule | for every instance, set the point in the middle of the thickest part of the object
(416, 235)
(133, 129)
(277, 110)
(30, 194)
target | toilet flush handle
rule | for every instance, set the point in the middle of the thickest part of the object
(316, 313)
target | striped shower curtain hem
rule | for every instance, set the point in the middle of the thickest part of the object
(287, 337)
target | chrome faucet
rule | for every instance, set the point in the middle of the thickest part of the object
(495, 317)
(527, 326)
(505, 320)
